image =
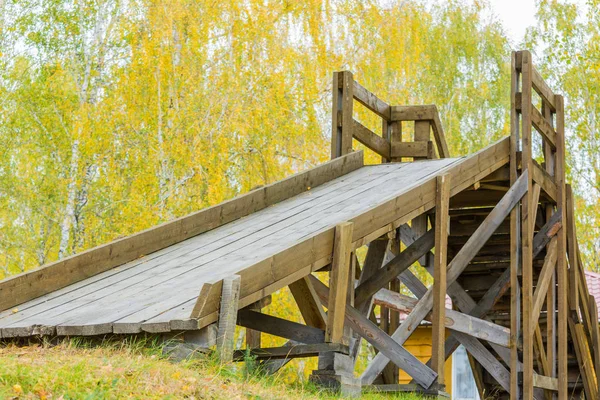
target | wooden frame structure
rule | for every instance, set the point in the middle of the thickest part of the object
(495, 230)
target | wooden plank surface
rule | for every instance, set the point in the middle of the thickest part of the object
(23, 287)
(183, 269)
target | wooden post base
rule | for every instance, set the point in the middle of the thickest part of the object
(336, 372)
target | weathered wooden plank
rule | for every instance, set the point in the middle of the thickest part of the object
(486, 359)
(442, 225)
(545, 382)
(543, 282)
(338, 282)
(561, 263)
(394, 268)
(595, 345)
(372, 141)
(227, 317)
(572, 251)
(542, 178)
(289, 352)
(527, 224)
(23, 287)
(457, 265)
(308, 303)
(381, 341)
(342, 103)
(417, 150)
(543, 127)
(371, 101)
(454, 320)
(439, 136)
(543, 90)
(584, 359)
(280, 327)
(413, 113)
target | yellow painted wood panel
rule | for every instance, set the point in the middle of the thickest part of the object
(419, 344)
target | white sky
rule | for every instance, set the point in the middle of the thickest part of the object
(516, 16)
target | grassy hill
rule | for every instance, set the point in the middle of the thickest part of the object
(135, 369)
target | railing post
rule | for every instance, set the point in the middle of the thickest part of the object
(341, 130)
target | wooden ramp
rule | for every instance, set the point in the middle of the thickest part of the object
(495, 230)
(158, 292)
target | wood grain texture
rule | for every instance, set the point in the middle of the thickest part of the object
(46, 279)
(442, 224)
(227, 317)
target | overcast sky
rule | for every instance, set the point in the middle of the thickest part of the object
(516, 16)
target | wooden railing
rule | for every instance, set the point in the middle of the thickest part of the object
(389, 144)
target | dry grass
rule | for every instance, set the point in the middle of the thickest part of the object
(132, 370)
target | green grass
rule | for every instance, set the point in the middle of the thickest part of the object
(136, 369)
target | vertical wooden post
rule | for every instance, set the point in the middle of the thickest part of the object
(253, 338)
(338, 282)
(341, 132)
(230, 296)
(527, 224)
(422, 132)
(561, 262)
(572, 252)
(550, 160)
(392, 132)
(439, 277)
(515, 293)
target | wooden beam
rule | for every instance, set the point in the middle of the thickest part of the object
(457, 265)
(417, 150)
(253, 337)
(342, 105)
(543, 90)
(593, 306)
(371, 101)
(280, 327)
(442, 224)
(543, 127)
(338, 281)
(486, 359)
(586, 364)
(29, 285)
(372, 141)
(527, 224)
(413, 113)
(545, 382)
(381, 341)
(543, 282)
(572, 251)
(547, 232)
(227, 317)
(561, 263)
(308, 303)
(454, 320)
(395, 267)
(289, 352)
(515, 245)
(439, 136)
(542, 178)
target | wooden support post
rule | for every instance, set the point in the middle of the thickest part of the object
(442, 220)
(230, 296)
(527, 224)
(422, 133)
(338, 282)
(341, 133)
(550, 164)
(561, 261)
(455, 268)
(515, 244)
(572, 253)
(253, 337)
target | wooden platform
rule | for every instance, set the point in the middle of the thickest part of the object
(158, 292)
